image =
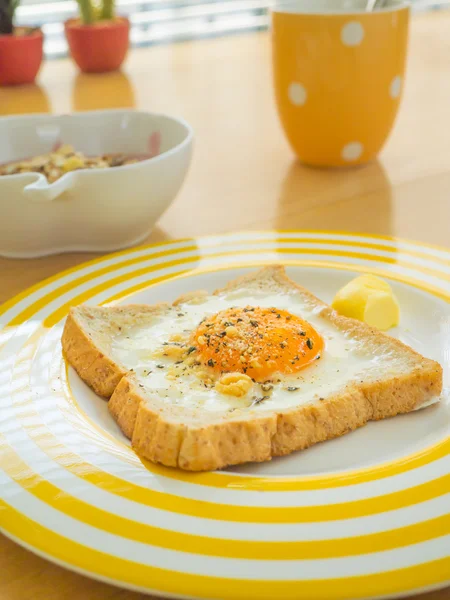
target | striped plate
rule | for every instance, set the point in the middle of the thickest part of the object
(364, 516)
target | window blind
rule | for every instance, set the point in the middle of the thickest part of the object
(159, 21)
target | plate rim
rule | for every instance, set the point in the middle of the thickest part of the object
(36, 287)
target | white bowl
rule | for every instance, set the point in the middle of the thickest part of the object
(90, 210)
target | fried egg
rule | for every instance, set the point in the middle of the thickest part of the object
(246, 349)
(257, 341)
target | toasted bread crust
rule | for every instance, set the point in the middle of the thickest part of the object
(92, 364)
(259, 438)
(210, 445)
(96, 369)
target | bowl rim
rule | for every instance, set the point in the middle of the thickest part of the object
(186, 142)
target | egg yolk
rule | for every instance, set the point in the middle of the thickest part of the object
(256, 341)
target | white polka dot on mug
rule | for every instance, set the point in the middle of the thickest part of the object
(352, 34)
(352, 151)
(297, 94)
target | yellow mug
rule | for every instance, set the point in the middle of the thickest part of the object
(338, 75)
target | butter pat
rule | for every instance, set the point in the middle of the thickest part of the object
(369, 299)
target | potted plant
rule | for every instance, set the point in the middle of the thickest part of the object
(98, 40)
(20, 48)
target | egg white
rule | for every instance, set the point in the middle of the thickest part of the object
(344, 360)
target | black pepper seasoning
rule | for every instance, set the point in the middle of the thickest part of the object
(259, 400)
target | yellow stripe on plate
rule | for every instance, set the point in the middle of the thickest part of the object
(352, 243)
(43, 437)
(127, 573)
(42, 284)
(374, 236)
(129, 291)
(22, 295)
(41, 302)
(80, 298)
(32, 309)
(224, 512)
(83, 512)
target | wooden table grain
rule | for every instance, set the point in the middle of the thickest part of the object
(244, 176)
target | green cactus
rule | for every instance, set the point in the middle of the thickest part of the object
(87, 12)
(107, 10)
(7, 10)
(90, 13)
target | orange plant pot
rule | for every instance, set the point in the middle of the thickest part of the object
(99, 47)
(20, 57)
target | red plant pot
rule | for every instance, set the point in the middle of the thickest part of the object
(99, 47)
(20, 56)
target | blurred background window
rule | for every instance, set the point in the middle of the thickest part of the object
(163, 21)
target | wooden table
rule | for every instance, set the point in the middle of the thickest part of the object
(245, 177)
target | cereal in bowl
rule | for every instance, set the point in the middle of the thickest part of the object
(63, 160)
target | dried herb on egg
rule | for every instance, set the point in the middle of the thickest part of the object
(259, 400)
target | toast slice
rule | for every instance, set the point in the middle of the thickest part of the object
(180, 412)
